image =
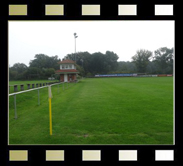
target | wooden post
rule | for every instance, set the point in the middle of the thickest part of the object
(32, 85)
(15, 88)
(22, 87)
(28, 86)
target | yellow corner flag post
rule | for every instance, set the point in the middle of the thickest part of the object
(50, 114)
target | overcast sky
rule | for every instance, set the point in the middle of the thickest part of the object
(28, 38)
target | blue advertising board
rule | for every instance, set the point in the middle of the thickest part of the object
(114, 75)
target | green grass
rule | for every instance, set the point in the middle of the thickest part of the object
(11, 83)
(97, 111)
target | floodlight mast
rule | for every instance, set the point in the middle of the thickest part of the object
(75, 36)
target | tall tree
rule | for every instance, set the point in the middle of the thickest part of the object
(49, 72)
(83, 59)
(12, 75)
(53, 62)
(111, 60)
(34, 73)
(19, 67)
(126, 67)
(96, 62)
(163, 58)
(152, 68)
(44, 61)
(39, 61)
(17, 71)
(141, 60)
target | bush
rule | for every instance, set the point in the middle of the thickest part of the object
(89, 74)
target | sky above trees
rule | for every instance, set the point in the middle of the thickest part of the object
(28, 38)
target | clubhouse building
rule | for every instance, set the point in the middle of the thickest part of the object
(67, 71)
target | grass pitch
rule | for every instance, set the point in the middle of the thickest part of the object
(97, 111)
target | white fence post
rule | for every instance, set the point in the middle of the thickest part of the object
(15, 106)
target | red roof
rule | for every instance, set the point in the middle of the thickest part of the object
(67, 70)
(66, 61)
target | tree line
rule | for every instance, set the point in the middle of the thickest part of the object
(41, 67)
(144, 61)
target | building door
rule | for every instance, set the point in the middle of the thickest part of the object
(65, 78)
(70, 77)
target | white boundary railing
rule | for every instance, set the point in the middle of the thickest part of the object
(14, 94)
